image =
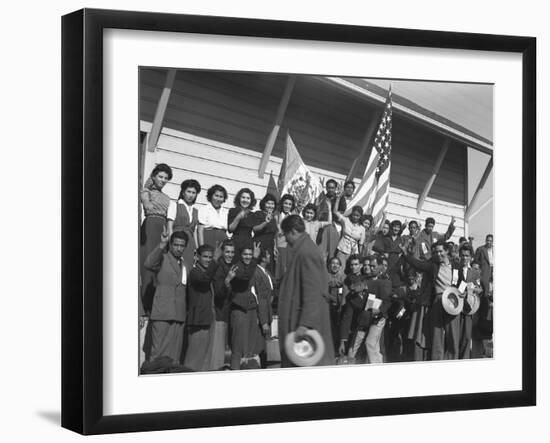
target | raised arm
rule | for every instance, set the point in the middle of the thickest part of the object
(339, 217)
(450, 229)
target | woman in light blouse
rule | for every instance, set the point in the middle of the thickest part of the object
(155, 207)
(310, 220)
(183, 216)
(212, 228)
(353, 233)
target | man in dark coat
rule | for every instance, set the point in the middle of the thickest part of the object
(169, 309)
(440, 274)
(303, 296)
(484, 257)
(469, 276)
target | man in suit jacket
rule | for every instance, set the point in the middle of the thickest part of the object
(428, 237)
(484, 257)
(441, 273)
(303, 295)
(471, 276)
(169, 303)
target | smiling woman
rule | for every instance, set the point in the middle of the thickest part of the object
(155, 207)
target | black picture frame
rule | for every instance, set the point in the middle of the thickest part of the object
(82, 218)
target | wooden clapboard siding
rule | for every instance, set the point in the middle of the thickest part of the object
(211, 162)
(217, 124)
(326, 125)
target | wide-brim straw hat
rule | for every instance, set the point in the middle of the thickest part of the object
(305, 350)
(452, 301)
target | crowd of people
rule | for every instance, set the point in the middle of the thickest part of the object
(213, 280)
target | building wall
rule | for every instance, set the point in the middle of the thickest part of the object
(211, 162)
(217, 124)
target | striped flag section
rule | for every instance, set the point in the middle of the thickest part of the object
(374, 189)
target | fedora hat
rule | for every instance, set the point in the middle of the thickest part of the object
(304, 350)
(452, 301)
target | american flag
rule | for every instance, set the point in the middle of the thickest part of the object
(373, 191)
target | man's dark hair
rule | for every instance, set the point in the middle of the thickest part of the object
(204, 248)
(227, 242)
(446, 246)
(330, 180)
(413, 222)
(181, 235)
(349, 182)
(293, 221)
(430, 220)
(395, 223)
(466, 247)
(487, 237)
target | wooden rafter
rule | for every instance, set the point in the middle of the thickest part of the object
(276, 125)
(435, 171)
(161, 110)
(480, 186)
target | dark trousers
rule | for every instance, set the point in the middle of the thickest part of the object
(445, 332)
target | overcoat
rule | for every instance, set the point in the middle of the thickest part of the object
(303, 297)
(169, 302)
(482, 257)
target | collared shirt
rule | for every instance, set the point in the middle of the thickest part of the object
(211, 217)
(490, 255)
(160, 202)
(353, 236)
(444, 278)
(312, 228)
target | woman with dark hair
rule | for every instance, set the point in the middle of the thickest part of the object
(266, 225)
(247, 341)
(212, 228)
(310, 220)
(155, 207)
(287, 204)
(353, 233)
(183, 216)
(240, 219)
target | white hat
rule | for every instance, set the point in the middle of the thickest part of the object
(305, 350)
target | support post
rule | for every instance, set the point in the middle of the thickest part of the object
(276, 125)
(435, 171)
(161, 110)
(484, 178)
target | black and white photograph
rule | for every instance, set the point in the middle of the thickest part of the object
(290, 220)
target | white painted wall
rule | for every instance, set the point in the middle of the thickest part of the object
(213, 162)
